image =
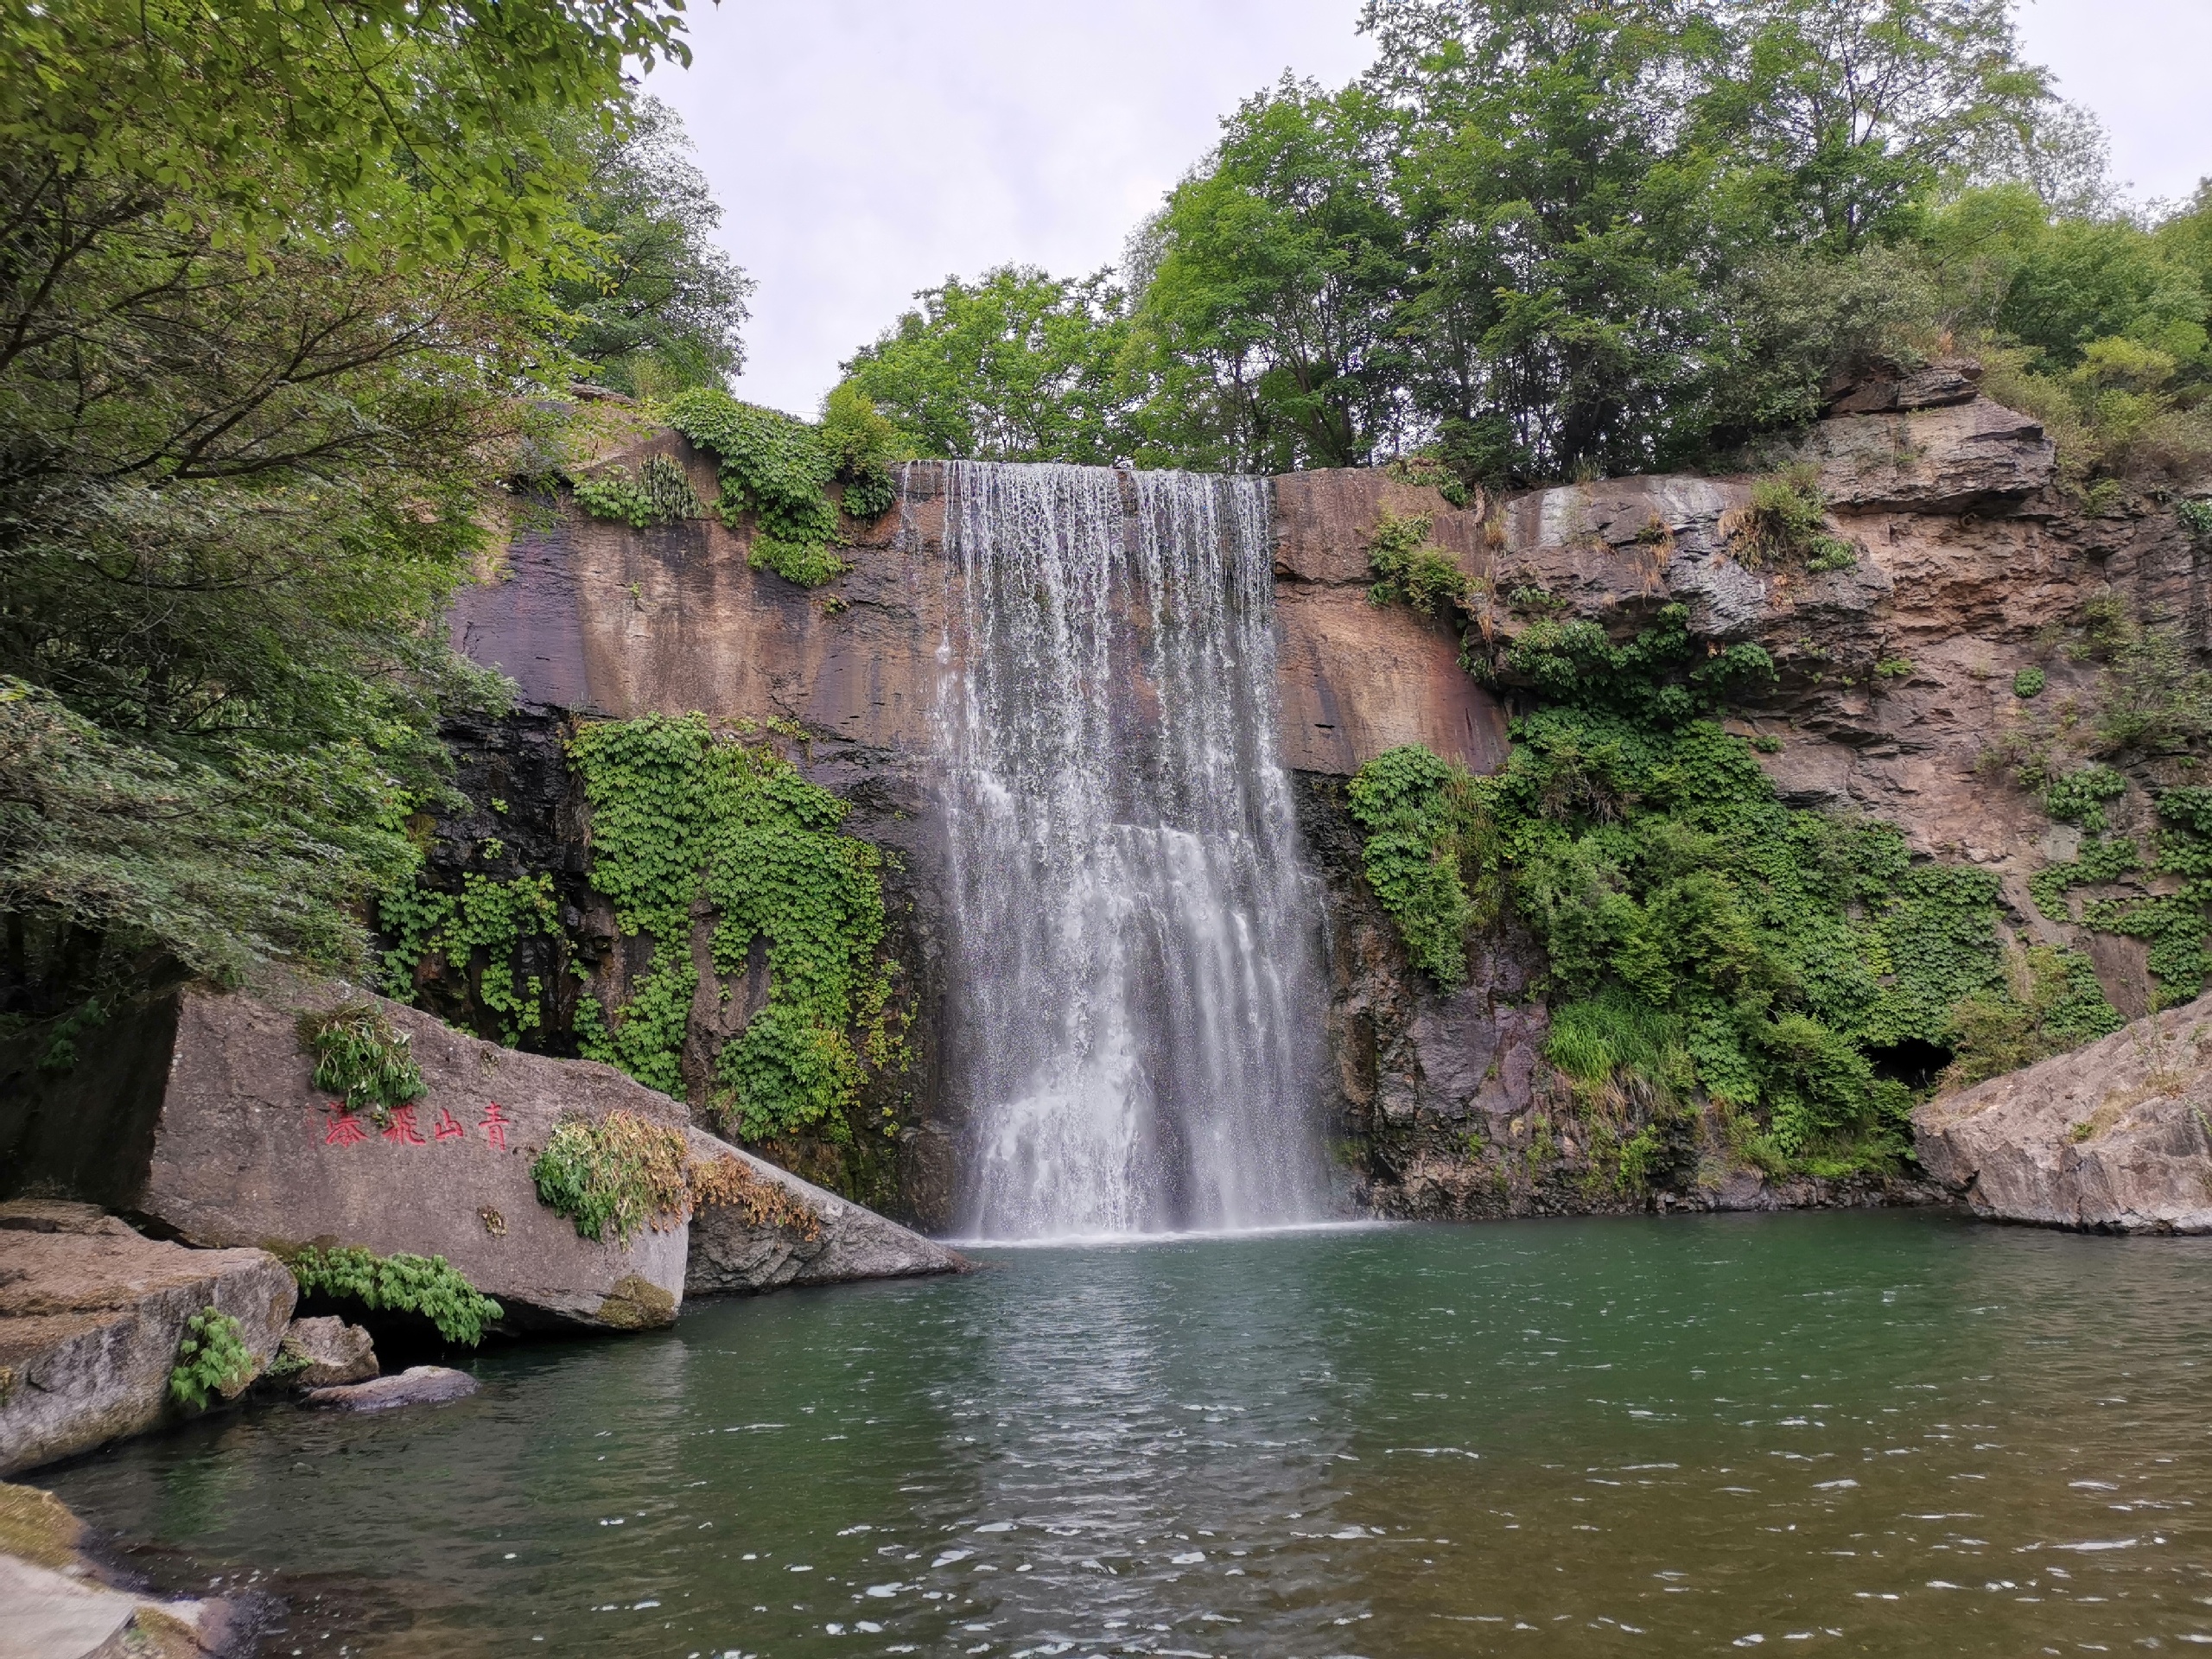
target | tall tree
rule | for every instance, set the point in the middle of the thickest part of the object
(1269, 316)
(270, 315)
(653, 306)
(1015, 365)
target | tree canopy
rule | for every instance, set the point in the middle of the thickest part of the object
(1542, 238)
(280, 298)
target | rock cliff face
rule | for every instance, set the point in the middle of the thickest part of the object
(1895, 678)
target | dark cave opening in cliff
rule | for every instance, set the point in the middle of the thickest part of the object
(1913, 1062)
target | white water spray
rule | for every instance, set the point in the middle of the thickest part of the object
(1136, 990)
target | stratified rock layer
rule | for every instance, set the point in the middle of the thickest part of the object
(89, 1321)
(2116, 1137)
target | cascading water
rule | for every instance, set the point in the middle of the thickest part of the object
(1137, 984)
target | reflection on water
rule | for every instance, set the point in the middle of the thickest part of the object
(1894, 1435)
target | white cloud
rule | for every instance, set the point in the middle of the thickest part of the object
(863, 149)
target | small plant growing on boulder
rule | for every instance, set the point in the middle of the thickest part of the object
(729, 1180)
(1408, 568)
(399, 1283)
(361, 1058)
(210, 1360)
(613, 1177)
(2028, 682)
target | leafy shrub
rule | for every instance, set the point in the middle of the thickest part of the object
(659, 493)
(2028, 682)
(614, 1176)
(399, 1283)
(1702, 939)
(2079, 797)
(1408, 567)
(1786, 519)
(211, 1359)
(361, 1056)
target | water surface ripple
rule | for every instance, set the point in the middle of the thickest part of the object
(1872, 1433)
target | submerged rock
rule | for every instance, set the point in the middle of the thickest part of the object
(418, 1385)
(2116, 1137)
(54, 1602)
(329, 1352)
(90, 1323)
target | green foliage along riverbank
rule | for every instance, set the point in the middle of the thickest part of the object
(1702, 942)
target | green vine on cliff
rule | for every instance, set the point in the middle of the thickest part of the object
(658, 492)
(681, 813)
(485, 916)
(780, 470)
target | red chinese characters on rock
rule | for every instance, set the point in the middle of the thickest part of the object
(495, 1125)
(402, 1128)
(449, 1127)
(345, 1129)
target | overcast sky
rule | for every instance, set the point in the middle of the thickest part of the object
(865, 148)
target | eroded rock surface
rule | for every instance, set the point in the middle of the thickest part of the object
(2115, 1137)
(329, 1352)
(816, 1238)
(89, 1321)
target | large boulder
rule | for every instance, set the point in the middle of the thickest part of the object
(90, 1315)
(235, 1146)
(238, 1146)
(328, 1353)
(2115, 1137)
(771, 1229)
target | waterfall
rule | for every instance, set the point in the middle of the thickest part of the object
(1136, 991)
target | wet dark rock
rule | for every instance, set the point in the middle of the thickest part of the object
(418, 1385)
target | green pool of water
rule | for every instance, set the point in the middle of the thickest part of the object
(1901, 1434)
